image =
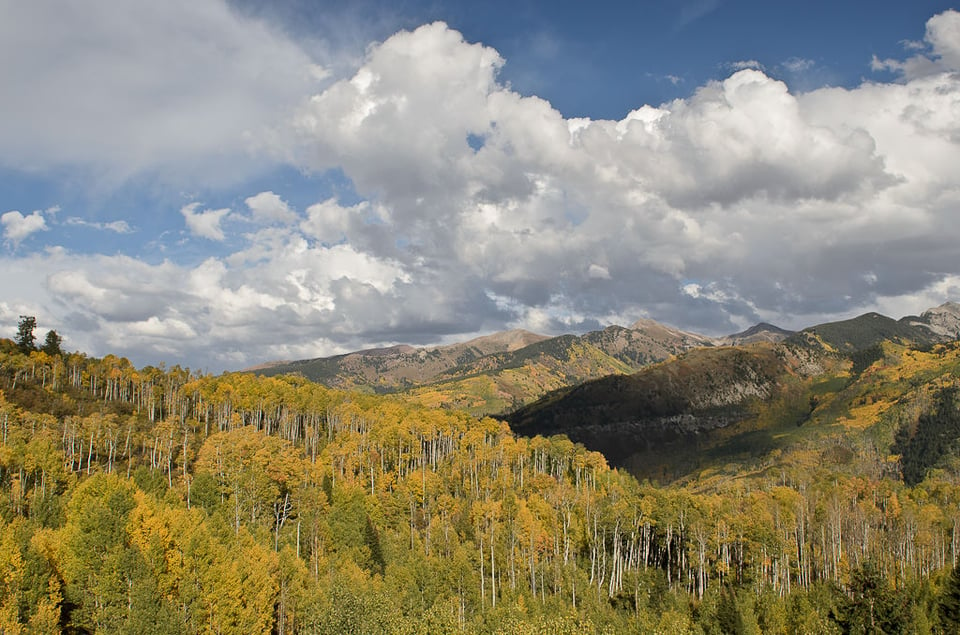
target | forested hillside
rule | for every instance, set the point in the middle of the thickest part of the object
(497, 373)
(161, 500)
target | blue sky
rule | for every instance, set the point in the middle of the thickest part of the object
(218, 184)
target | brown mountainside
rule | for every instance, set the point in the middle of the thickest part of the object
(497, 371)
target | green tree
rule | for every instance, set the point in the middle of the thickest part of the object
(729, 618)
(51, 343)
(25, 338)
(948, 605)
(874, 607)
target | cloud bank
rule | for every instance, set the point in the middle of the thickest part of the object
(181, 90)
(484, 209)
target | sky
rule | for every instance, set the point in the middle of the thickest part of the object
(217, 184)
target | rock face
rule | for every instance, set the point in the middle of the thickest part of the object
(943, 320)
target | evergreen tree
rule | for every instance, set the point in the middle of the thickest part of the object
(25, 338)
(949, 603)
(924, 445)
(51, 343)
(729, 618)
(874, 607)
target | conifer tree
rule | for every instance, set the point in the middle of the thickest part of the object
(949, 603)
(25, 338)
(51, 343)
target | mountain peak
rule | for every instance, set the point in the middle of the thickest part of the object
(944, 320)
(761, 332)
(656, 329)
(504, 341)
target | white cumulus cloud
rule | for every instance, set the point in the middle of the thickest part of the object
(16, 226)
(205, 223)
(942, 39)
(268, 208)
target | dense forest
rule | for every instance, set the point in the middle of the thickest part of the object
(164, 500)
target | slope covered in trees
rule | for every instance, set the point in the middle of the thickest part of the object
(161, 500)
(496, 373)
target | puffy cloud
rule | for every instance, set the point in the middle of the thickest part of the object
(296, 299)
(206, 223)
(943, 41)
(16, 226)
(777, 202)
(192, 92)
(943, 34)
(529, 210)
(329, 222)
(268, 208)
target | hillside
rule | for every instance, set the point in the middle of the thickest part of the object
(674, 403)
(869, 329)
(501, 382)
(495, 373)
(761, 332)
(397, 367)
(643, 343)
(164, 501)
(711, 406)
(937, 325)
(499, 373)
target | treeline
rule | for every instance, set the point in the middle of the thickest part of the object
(160, 500)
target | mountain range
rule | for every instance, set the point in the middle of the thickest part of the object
(672, 417)
(655, 400)
(498, 373)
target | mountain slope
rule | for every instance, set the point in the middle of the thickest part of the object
(834, 386)
(761, 332)
(643, 343)
(704, 389)
(498, 372)
(870, 329)
(397, 367)
(500, 382)
(937, 325)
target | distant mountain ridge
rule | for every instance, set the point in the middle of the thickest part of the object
(502, 371)
(497, 372)
(402, 366)
(936, 325)
(636, 420)
(762, 332)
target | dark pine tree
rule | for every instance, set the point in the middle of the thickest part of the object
(25, 338)
(873, 606)
(51, 344)
(948, 605)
